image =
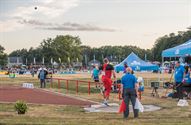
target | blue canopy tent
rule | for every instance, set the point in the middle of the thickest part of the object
(182, 50)
(136, 64)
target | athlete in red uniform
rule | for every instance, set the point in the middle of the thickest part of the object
(107, 71)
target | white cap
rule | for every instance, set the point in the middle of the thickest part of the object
(140, 79)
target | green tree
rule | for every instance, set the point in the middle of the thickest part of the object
(48, 50)
(3, 56)
(29, 55)
(65, 47)
(23, 53)
(86, 54)
(118, 53)
(59, 47)
(169, 41)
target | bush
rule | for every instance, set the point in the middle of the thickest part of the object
(21, 107)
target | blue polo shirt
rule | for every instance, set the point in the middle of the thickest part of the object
(179, 74)
(95, 72)
(187, 78)
(128, 81)
(42, 74)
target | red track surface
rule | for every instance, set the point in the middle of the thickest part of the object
(12, 94)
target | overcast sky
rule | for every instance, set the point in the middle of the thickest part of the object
(96, 22)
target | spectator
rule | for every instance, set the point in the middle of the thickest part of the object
(140, 82)
(178, 77)
(95, 74)
(32, 72)
(129, 91)
(42, 76)
(125, 67)
(187, 79)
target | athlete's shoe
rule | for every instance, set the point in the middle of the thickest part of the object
(105, 103)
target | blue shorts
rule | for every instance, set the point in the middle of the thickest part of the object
(96, 78)
(141, 88)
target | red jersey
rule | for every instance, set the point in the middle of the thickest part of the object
(107, 68)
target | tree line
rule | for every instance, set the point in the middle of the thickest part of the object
(3, 56)
(59, 49)
(169, 41)
(67, 49)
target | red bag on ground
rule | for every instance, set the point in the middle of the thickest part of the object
(122, 107)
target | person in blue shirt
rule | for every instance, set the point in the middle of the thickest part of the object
(125, 67)
(187, 78)
(141, 87)
(129, 91)
(95, 75)
(42, 76)
(178, 77)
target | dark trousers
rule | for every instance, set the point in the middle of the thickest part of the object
(42, 83)
(130, 95)
(179, 90)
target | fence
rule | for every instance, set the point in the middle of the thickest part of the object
(77, 82)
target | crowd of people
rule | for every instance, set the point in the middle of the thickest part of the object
(182, 79)
(40, 70)
(131, 86)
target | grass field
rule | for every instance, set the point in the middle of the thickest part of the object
(170, 114)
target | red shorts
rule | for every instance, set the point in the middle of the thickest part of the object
(107, 84)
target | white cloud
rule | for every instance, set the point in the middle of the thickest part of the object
(46, 1)
(9, 25)
(67, 26)
(46, 10)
